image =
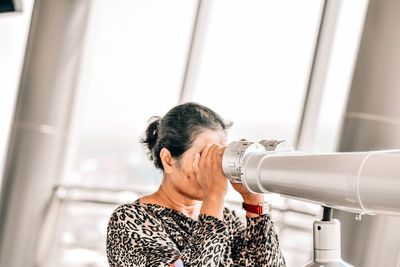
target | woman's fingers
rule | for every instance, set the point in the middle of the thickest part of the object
(221, 154)
(196, 163)
(206, 155)
(208, 170)
(204, 152)
(211, 153)
(218, 159)
(213, 156)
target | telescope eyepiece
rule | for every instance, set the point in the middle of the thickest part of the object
(236, 153)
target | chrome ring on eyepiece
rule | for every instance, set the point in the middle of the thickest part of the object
(234, 155)
(237, 151)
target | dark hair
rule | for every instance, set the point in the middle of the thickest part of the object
(177, 130)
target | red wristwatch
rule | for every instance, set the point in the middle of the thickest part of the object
(262, 208)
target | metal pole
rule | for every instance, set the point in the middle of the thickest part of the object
(195, 49)
(317, 76)
(41, 125)
(327, 214)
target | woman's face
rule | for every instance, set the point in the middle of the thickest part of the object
(184, 177)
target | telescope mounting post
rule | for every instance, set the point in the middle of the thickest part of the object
(326, 240)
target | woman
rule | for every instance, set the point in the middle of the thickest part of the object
(185, 223)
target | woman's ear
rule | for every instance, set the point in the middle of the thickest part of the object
(167, 160)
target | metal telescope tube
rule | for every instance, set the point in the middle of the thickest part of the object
(360, 182)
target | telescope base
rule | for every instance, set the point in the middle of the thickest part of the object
(326, 240)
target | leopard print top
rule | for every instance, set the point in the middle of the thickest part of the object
(141, 234)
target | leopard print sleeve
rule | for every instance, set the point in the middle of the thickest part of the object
(207, 244)
(257, 244)
(136, 238)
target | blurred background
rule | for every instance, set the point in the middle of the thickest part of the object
(79, 80)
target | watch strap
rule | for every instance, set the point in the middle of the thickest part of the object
(259, 209)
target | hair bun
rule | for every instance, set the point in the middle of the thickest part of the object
(151, 137)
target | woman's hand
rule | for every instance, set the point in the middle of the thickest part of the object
(208, 169)
(249, 198)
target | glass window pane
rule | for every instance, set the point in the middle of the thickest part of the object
(132, 69)
(133, 66)
(255, 64)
